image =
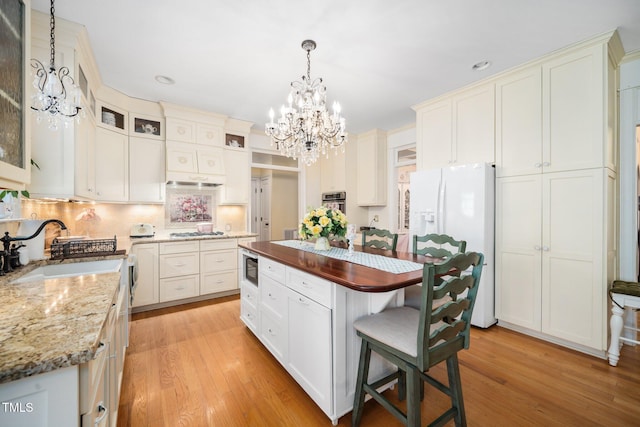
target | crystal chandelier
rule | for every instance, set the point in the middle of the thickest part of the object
(56, 95)
(305, 129)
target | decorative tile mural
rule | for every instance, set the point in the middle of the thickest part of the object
(185, 205)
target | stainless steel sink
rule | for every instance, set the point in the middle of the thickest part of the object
(55, 271)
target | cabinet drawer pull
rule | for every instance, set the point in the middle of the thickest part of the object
(305, 284)
(103, 411)
(179, 288)
(219, 260)
(219, 281)
(303, 301)
(180, 264)
(271, 332)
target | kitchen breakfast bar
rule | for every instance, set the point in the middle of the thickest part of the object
(305, 302)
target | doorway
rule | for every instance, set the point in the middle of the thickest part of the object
(405, 163)
(274, 195)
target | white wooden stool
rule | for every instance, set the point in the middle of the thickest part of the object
(625, 295)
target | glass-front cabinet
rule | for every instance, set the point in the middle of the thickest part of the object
(14, 131)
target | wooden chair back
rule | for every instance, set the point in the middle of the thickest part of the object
(438, 245)
(444, 329)
(379, 238)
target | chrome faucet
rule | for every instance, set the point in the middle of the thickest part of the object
(6, 242)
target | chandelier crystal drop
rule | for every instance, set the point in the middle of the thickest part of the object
(305, 129)
(56, 98)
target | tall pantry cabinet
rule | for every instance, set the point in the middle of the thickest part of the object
(556, 164)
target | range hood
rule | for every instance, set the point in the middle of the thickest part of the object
(190, 164)
(195, 180)
(194, 183)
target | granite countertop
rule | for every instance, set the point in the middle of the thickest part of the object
(165, 236)
(54, 323)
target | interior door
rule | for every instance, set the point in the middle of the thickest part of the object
(265, 208)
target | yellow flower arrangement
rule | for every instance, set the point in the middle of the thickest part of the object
(322, 222)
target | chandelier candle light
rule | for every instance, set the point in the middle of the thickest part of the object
(305, 129)
(55, 99)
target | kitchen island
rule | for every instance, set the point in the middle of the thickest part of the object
(304, 306)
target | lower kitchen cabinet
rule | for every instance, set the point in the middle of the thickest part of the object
(218, 266)
(146, 291)
(309, 344)
(183, 270)
(553, 243)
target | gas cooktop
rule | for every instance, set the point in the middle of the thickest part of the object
(197, 234)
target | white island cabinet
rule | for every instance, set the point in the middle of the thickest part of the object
(306, 323)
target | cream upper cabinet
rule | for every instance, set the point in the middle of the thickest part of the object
(209, 135)
(192, 162)
(15, 91)
(554, 116)
(457, 129)
(238, 189)
(85, 158)
(434, 133)
(146, 170)
(210, 161)
(473, 126)
(371, 169)
(333, 172)
(574, 118)
(550, 254)
(181, 130)
(112, 166)
(519, 123)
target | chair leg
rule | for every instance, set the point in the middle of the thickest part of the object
(402, 385)
(413, 397)
(455, 385)
(615, 323)
(363, 375)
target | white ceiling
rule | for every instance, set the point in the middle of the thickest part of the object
(377, 57)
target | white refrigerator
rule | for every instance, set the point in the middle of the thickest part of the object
(459, 201)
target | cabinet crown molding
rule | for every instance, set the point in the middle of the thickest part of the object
(193, 114)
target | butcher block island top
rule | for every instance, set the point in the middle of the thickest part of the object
(343, 272)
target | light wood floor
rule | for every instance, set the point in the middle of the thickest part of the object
(198, 365)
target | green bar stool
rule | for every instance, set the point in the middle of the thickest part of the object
(415, 340)
(437, 246)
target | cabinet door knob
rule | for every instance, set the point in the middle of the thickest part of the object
(537, 165)
(545, 248)
(546, 164)
(537, 247)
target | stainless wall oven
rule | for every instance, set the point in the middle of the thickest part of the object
(336, 200)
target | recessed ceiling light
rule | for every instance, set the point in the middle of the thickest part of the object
(482, 65)
(165, 80)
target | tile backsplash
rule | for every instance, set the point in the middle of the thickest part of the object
(104, 220)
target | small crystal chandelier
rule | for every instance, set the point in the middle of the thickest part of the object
(305, 129)
(55, 99)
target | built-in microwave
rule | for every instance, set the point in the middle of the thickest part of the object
(249, 267)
